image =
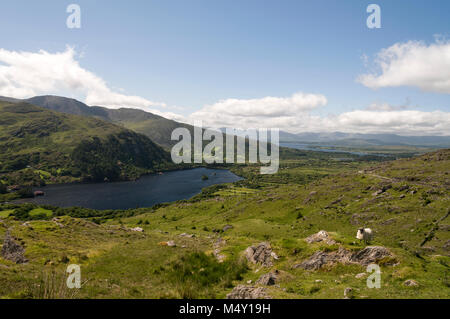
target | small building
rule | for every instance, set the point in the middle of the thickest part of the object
(38, 193)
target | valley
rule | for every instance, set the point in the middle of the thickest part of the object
(301, 220)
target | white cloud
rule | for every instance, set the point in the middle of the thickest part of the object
(414, 64)
(26, 74)
(377, 118)
(401, 122)
(256, 112)
(386, 107)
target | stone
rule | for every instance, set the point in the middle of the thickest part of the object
(227, 227)
(260, 254)
(321, 236)
(248, 292)
(171, 243)
(187, 235)
(348, 293)
(411, 283)
(370, 255)
(321, 258)
(137, 229)
(364, 257)
(268, 279)
(13, 251)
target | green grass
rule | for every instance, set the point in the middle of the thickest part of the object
(6, 213)
(40, 211)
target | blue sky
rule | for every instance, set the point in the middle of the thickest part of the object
(188, 54)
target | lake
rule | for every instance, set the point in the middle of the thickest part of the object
(145, 192)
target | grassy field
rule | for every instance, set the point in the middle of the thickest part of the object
(405, 202)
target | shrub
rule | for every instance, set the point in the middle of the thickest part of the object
(197, 272)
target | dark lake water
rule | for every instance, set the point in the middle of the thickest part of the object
(145, 192)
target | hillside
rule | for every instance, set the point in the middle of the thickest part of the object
(199, 248)
(39, 146)
(157, 128)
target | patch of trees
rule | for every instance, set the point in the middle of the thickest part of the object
(117, 156)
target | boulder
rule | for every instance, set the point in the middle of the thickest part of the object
(171, 243)
(370, 255)
(321, 258)
(348, 293)
(248, 292)
(411, 283)
(227, 227)
(187, 235)
(269, 279)
(364, 257)
(321, 236)
(13, 251)
(137, 229)
(261, 254)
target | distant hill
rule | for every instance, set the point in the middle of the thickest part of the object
(357, 139)
(37, 141)
(157, 128)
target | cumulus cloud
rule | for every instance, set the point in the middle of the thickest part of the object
(26, 74)
(377, 118)
(386, 107)
(255, 112)
(414, 64)
(408, 122)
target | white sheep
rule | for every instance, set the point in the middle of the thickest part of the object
(364, 234)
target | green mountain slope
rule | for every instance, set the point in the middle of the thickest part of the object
(37, 143)
(157, 128)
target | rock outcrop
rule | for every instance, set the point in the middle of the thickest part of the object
(364, 257)
(370, 255)
(268, 279)
(13, 251)
(321, 236)
(411, 283)
(261, 254)
(248, 292)
(321, 258)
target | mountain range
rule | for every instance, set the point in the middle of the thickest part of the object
(157, 128)
(359, 139)
(38, 144)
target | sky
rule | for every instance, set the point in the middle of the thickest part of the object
(301, 66)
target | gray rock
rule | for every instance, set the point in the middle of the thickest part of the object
(227, 227)
(268, 279)
(370, 255)
(13, 251)
(248, 292)
(261, 254)
(411, 283)
(319, 237)
(364, 257)
(321, 258)
(348, 292)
